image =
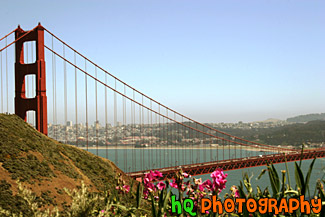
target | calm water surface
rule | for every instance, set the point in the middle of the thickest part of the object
(129, 160)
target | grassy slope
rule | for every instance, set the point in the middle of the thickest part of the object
(45, 166)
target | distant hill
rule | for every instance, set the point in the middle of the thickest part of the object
(46, 166)
(306, 118)
(293, 134)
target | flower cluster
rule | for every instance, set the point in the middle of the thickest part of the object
(121, 185)
(149, 185)
(217, 184)
(192, 188)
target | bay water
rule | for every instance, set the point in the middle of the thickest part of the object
(136, 159)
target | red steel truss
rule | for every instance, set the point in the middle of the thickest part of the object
(234, 164)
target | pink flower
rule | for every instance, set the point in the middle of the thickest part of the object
(157, 174)
(218, 180)
(149, 177)
(146, 180)
(103, 211)
(126, 188)
(150, 186)
(161, 186)
(173, 184)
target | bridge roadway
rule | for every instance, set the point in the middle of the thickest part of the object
(234, 164)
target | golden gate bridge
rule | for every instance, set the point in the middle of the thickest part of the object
(47, 82)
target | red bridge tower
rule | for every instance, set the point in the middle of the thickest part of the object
(39, 102)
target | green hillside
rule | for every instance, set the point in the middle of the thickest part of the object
(46, 166)
(293, 134)
(306, 118)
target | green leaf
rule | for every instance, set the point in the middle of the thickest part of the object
(299, 178)
(290, 192)
(153, 207)
(308, 175)
(259, 192)
(261, 174)
(287, 168)
(167, 199)
(274, 179)
(242, 195)
(139, 194)
(283, 183)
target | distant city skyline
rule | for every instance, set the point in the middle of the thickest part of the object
(211, 61)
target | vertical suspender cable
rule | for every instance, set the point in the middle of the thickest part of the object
(55, 100)
(198, 146)
(156, 140)
(178, 142)
(160, 138)
(229, 148)
(183, 137)
(65, 95)
(142, 134)
(140, 139)
(167, 126)
(241, 151)
(211, 142)
(175, 140)
(246, 150)
(148, 140)
(86, 104)
(1, 82)
(131, 137)
(106, 123)
(204, 146)
(151, 137)
(124, 129)
(97, 123)
(164, 141)
(115, 125)
(134, 164)
(235, 146)
(7, 77)
(192, 141)
(76, 99)
(223, 146)
(53, 92)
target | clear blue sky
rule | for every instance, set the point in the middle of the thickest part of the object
(211, 60)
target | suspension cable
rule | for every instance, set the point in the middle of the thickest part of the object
(8, 34)
(203, 125)
(76, 98)
(170, 119)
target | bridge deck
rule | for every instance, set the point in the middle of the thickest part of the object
(234, 164)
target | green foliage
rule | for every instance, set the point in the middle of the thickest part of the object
(32, 206)
(282, 189)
